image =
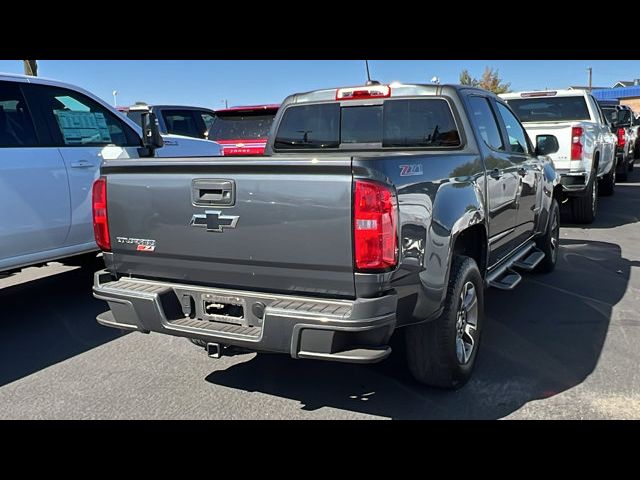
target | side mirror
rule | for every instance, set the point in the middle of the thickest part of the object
(546, 145)
(151, 138)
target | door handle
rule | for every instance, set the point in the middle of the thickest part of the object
(81, 164)
(495, 173)
(212, 192)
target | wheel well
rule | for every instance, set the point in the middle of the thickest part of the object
(596, 160)
(472, 242)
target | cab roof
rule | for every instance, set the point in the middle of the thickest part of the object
(396, 89)
(543, 93)
(267, 106)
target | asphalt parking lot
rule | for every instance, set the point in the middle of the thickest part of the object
(561, 346)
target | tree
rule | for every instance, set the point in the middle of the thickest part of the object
(30, 67)
(465, 79)
(490, 80)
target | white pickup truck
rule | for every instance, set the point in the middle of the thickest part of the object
(579, 139)
(53, 138)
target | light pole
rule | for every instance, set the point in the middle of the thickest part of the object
(226, 103)
(115, 98)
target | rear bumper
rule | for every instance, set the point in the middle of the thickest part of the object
(355, 331)
(573, 182)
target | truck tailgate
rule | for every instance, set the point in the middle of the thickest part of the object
(268, 225)
(562, 132)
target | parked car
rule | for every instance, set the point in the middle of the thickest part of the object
(243, 130)
(584, 146)
(375, 208)
(625, 127)
(176, 119)
(53, 137)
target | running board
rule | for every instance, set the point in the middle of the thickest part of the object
(531, 261)
(505, 277)
(507, 281)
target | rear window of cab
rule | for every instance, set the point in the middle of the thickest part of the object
(401, 123)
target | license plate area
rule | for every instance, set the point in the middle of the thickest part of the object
(226, 309)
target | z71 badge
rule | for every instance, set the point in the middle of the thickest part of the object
(410, 170)
(142, 244)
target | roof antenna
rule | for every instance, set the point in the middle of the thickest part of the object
(369, 81)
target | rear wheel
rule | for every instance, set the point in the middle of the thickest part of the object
(550, 241)
(584, 208)
(442, 353)
(608, 182)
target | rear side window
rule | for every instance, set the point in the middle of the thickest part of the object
(485, 122)
(16, 125)
(76, 120)
(550, 109)
(310, 126)
(419, 123)
(395, 123)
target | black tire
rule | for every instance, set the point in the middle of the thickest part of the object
(550, 241)
(433, 348)
(583, 208)
(631, 166)
(608, 182)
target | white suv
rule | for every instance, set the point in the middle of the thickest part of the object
(53, 138)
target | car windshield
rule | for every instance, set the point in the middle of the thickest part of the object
(550, 109)
(241, 125)
(395, 123)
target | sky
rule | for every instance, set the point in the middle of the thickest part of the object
(209, 83)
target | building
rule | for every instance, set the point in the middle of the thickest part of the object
(629, 95)
(626, 83)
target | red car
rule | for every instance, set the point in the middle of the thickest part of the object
(243, 130)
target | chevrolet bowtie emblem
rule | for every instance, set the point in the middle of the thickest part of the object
(239, 145)
(214, 221)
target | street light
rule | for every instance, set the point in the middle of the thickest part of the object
(115, 98)
(226, 104)
(435, 80)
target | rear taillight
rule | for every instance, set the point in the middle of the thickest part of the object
(576, 143)
(621, 139)
(375, 221)
(100, 217)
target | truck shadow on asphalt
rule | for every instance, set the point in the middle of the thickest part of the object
(540, 340)
(48, 320)
(620, 209)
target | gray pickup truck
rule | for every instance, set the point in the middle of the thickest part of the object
(376, 207)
